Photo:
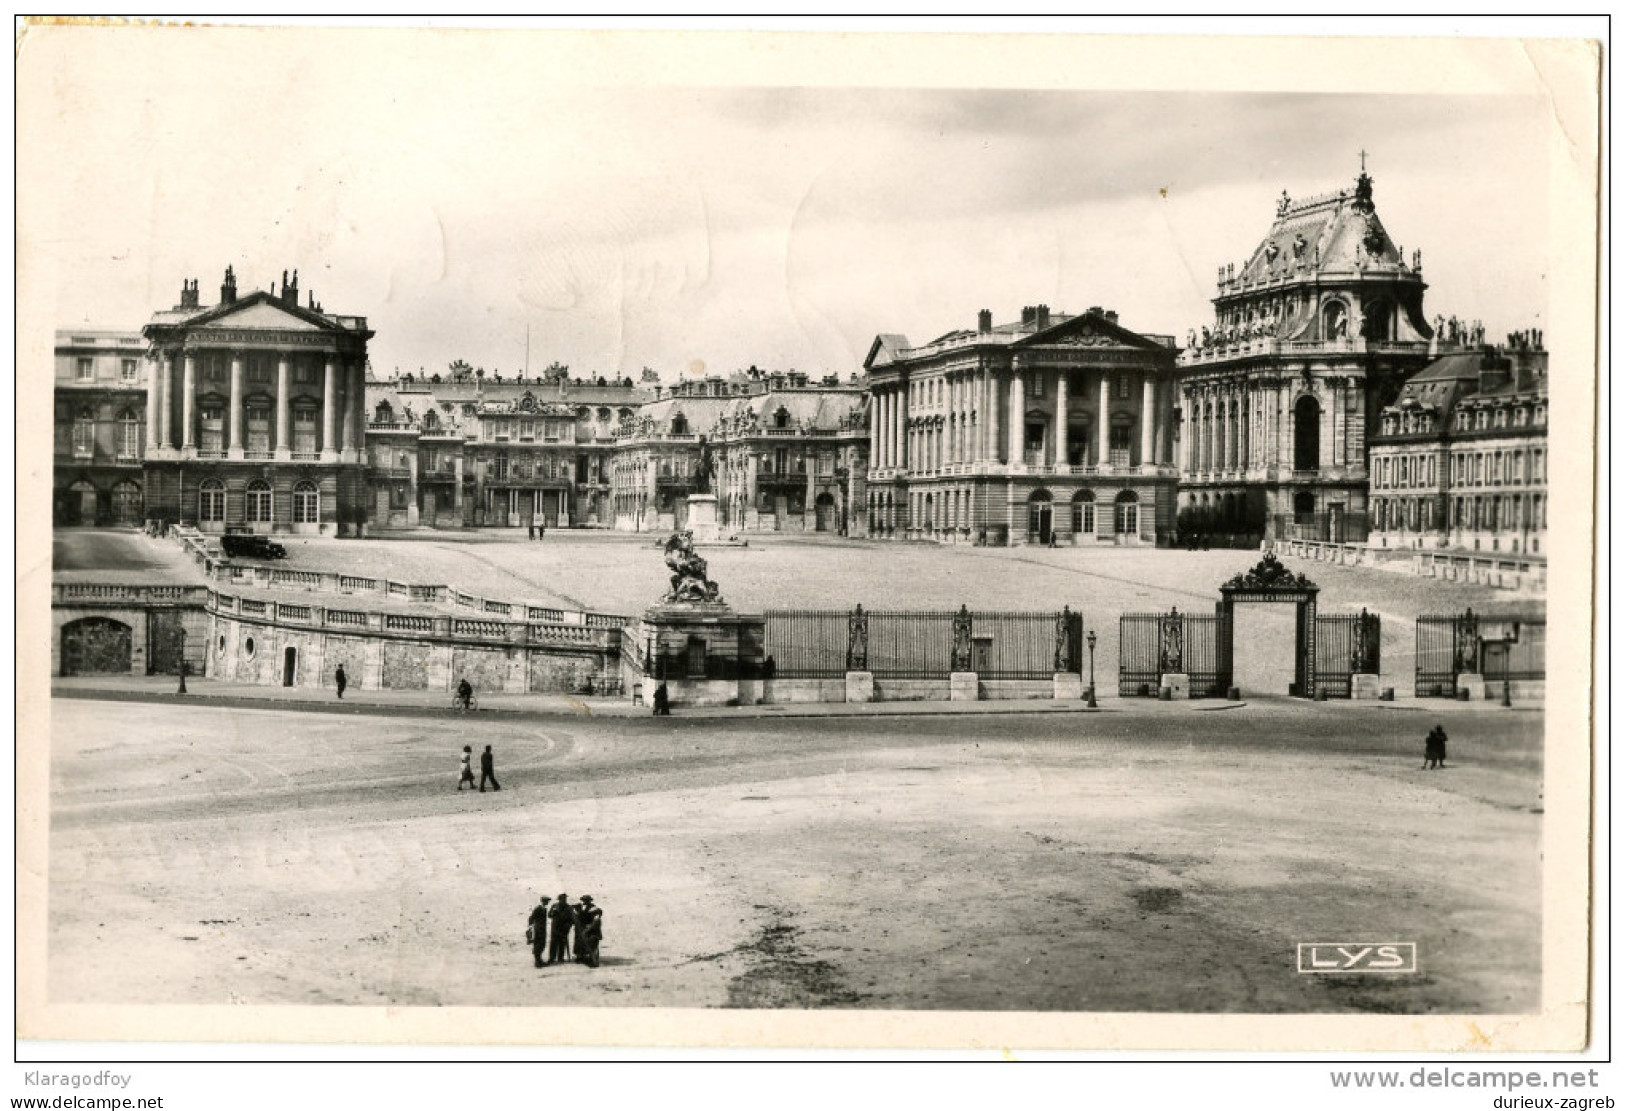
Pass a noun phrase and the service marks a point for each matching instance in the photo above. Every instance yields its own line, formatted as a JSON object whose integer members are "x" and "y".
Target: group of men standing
{"x": 549, "y": 929}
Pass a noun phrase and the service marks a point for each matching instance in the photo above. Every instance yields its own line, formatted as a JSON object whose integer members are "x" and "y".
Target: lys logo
{"x": 1356, "y": 956}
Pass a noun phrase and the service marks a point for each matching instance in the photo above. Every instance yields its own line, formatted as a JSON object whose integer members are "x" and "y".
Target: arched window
{"x": 259, "y": 502}
{"x": 1335, "y": 319}
{"x": 1303, "y": 507}
{"x": 781, "y": 419}
{"x": 679, "y": 425}
{"x": 307, "y": 503}
{"x": 127, "y": 504}
{"x": 84, "y": 433}
{"x": 1379, "y": 321}
{"x": 211, "y": 501}
{"x": 1306, "y": 434}
{"x": 1083, "y": 512}
{"x": 1126, "y": 513}
{"x": 431, "y": 421}
{"x": 129, "y": 435}
{"x": 383, "y": 414}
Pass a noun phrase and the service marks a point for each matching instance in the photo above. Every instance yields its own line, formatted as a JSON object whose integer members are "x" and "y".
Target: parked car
{"x": 249, "y": 545}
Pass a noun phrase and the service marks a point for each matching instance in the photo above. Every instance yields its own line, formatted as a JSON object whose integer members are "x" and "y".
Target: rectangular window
{"x": 1038, "y": 383}
{"x": 259, "y": 430}
{"x": 83, "y": 369}
{"x": 127, "y": 370}
{"x": 1122, "y": 387}
{"x": 500, "y": 467}
{"x": 304, "y": 431}
{"x": 84, "y": 437}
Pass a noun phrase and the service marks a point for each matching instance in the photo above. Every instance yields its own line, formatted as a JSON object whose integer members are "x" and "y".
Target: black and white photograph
{"x": 1069, "y": 541}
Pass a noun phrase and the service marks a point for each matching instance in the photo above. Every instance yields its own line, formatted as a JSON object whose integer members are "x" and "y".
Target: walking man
{"x": 563, "y": 916}
{"x": 662, "y": 700}
{"x": 340, "y": 681}
{"x": 466, "y": 765}
{"x": 488, "y": 770}
{"x": 536, "y": 932}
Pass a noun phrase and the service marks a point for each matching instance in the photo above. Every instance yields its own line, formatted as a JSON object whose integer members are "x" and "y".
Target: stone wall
{"x": 406, "y": 665}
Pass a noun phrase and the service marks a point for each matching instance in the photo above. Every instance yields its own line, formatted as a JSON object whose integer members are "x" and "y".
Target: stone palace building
{"x": 254, "y": 414}
{"x": 1313, "y": 335}
{"x": 1055, "y": 428}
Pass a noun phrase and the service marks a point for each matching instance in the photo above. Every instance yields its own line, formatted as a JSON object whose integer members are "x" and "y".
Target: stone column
{"x": 328, "y": 371}
{"x": 905, "y": 460}
{"x": 1018, "y": 415}
{"x": 457, "y": 486}
{"x": 189, "y": 403}
{"x": 349, "y": 443}
{"x": 412, "y": 519}
{"x": 234, "y": 421}
{"x": 1060, "y": 417}
{"x": 990, "y": 439}
{"x": 1148, "y": 419}
{"x": 358, "y": 411}
{"x": 875, "y": 427}
{"x": 155, "y": 388}
{"x": 1159, "y": 428}
{"x": 282, "y": 405}
{"x": 1103, "y": 435}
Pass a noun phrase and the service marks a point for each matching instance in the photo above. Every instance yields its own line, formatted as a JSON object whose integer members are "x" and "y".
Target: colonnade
{"x": 977, "y": 415}
{"x": 339, "y": 376}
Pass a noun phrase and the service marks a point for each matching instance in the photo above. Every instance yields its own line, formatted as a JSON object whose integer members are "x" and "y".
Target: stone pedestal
{"x": 860, "y": 686}
{"x": 703, "y": 650}
{"x": 1177, "y": 684}
{"x": 1473, "y": 684}
{"x": 1365, "y": 686}
{"x": 964, "y": 686}
{"x": 702, "y": 518}
{"x": 1068, "y": 685}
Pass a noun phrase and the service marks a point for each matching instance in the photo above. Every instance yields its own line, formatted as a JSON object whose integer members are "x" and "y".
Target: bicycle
{"x": 457, "y": 703}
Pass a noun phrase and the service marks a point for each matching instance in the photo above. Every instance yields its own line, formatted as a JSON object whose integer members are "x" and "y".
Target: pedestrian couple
{"x": 548, "y": 931}
{"x": 487, "y": 769}
{"x": 1433, "y": 754}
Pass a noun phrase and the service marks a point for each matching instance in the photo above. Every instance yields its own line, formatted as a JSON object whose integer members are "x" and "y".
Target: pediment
{"x": 1089, "y": 330}
{"x": 261, "y": 314}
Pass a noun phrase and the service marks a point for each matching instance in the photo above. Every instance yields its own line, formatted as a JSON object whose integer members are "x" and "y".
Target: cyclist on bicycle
{"x": 465, "y": 694}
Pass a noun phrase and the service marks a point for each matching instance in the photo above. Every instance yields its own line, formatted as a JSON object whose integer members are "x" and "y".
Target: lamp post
{"x": 1092, "y": 704}
{"x": 182, "y": 688}
{"x": 1506, "y": 673}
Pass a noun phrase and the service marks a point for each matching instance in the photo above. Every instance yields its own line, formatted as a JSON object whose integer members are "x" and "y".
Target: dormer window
{"x": 383, "y": 414}
{"x": 781, "y": 419}
{"x": 679, "y": 425}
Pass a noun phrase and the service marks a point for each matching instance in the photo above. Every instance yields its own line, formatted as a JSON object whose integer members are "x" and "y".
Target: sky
{"x": 459, "y": 192}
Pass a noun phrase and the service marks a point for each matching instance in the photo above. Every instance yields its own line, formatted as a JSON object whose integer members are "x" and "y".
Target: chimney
{"x": 188, "y": 293}
{"x": 1096, "y": 310}
{"x": 1028, "y": 314}
{"x": 1043, "y": 317}
{"x": 1111, "y": 315}
{"x": 1493, "y": 371}
{"x": 228, "y": 288}
{"x": 984, "y": 321}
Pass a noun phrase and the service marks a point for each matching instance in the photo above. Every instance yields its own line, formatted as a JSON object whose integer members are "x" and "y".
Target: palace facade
{"x": 1459, "y": 460}
{"x": 784, "y": 454}
{"x": 254, "y": 413}
{"x": 1313, "y": 335}
{"x": 100, "y": 402}
{"x": 477, "y": 451}
{"x": 1053, "y": 429}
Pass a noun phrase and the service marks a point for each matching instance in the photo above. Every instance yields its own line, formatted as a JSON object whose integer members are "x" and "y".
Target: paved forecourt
{"x": 1168, "y": 858}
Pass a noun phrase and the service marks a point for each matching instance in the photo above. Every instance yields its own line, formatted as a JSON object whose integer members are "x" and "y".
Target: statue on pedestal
{"x": 688, "y": 580}
{"x": 962, "y": 640}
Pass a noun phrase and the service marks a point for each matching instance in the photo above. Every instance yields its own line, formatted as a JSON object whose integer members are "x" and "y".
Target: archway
{"x": 96, "y": 646}
{"x": 1040, "y": 517}
{"x": 1306, "y": 434}
{"x": 824, "y": 510}
{"x": 1379, "y": 321}
{"x": 290, "y": 666}
{"x": 127, "y": 503}
{"x": 81, "y": 505}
